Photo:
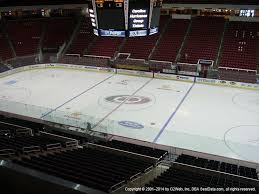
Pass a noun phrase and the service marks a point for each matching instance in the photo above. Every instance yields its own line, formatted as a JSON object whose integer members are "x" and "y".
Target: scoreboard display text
{"x": 138, "y": 19}
{"x": 121, "y": 18}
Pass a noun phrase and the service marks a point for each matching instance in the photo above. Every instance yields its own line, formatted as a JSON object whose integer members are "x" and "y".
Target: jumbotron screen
{"x": 123, "y": 18}
{"x": 110, "y": 16}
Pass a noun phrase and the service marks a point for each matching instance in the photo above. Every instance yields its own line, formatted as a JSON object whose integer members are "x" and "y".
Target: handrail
{"x": 135, "y": 176}
{"x": 71, "y": 54}
{"x": 169, "y": 62}
{"x": 4, "y": 152}
{"x": 10, "y": 124}
{"x": 50, "y": 134}
{"x": 118, "y": 54}
{"x": 117, "y": 184}
{"x": 135, "y": 59}
{"x": 124, "y": 151}
{"x": 96, "y": 56}
{"x": 22, "y": 131}
{"x": 238, "y": 69}
{"x": 191, "y": 64}
{"x": 214, "y": 171}
{"x": 53, "y": 146}
{"x": 70, "y": 143}
{"x": 21, "y": 57}
{"x": 27, "y": 149}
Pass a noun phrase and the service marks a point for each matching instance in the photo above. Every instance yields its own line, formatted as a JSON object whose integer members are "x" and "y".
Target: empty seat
{"x": 240, "y": 42}
{"x": 105, "y": 46}
{"x": 141, "y": 47}
{"x": 171, "y": 41}
{"x": 94, "y": 168}
{"x": 83, "y": 38}
{"x": 58, "y": 31}
{"x": 203, "y": 40}
{"x": 218, "y": 166}
{"x": 153, "y": 152}
{"x": 26, "y": 41}
{"x": 5, "y": 49}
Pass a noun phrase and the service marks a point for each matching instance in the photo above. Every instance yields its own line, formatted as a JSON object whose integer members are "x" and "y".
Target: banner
{"x": 114, "y": 33}
{"x": 174, "y": 77}
{"x": 135, "y": 73}
{"x": 228, "y": 83}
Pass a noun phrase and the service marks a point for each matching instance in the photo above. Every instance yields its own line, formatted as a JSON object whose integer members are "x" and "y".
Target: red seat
{"x": 26, "y": 41}
{"x": 203, "y": 40}
{"x": 239, "y": 49}
{"x": 58, "y": 31}
{"x": 5, "y": 50}
{"x": 141, "y": 47}
{"x": 83, "y": 38}
{"x": 105, "y": 46}
{"x": 171, "y": 41}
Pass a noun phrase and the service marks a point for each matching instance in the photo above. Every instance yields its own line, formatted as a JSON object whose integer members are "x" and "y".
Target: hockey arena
{"x": 129, "y": 96}
{"x": 167, "y": 112}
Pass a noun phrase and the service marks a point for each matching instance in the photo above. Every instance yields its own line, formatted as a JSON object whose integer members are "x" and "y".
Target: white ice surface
{"x": 219, "y": 120}
{"x": 211, "y": 119}
{"x": 46, "y": 89}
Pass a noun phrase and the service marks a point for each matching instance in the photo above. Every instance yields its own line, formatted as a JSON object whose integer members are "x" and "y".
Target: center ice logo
{"x": 131, "y": 124}
{"x": 127, "y": 99}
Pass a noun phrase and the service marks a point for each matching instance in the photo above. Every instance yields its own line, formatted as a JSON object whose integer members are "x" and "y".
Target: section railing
{"x": 23, "y": 61}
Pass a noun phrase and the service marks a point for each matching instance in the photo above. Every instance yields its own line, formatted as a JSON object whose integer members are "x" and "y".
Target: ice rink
{"x": 212, "y": 119}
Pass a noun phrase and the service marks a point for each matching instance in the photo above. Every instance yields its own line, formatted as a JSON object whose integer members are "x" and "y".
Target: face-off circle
{"x": 127, "y": 99}
{"x": 245, "y": 146}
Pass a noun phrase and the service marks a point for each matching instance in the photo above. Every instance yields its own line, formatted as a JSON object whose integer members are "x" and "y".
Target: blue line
{"x": 173, "y": 114}
{"x": 75, "y": 97}
{"x": 121, "y": 104}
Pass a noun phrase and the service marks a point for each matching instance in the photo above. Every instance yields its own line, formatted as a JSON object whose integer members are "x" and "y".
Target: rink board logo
{"x": 131, "y": 124}
{"x": 127, "y": 99}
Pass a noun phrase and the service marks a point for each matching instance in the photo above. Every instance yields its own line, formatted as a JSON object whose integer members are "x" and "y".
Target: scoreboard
{"x": 122, "y": 18}
{"x": 138, "y": 18}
